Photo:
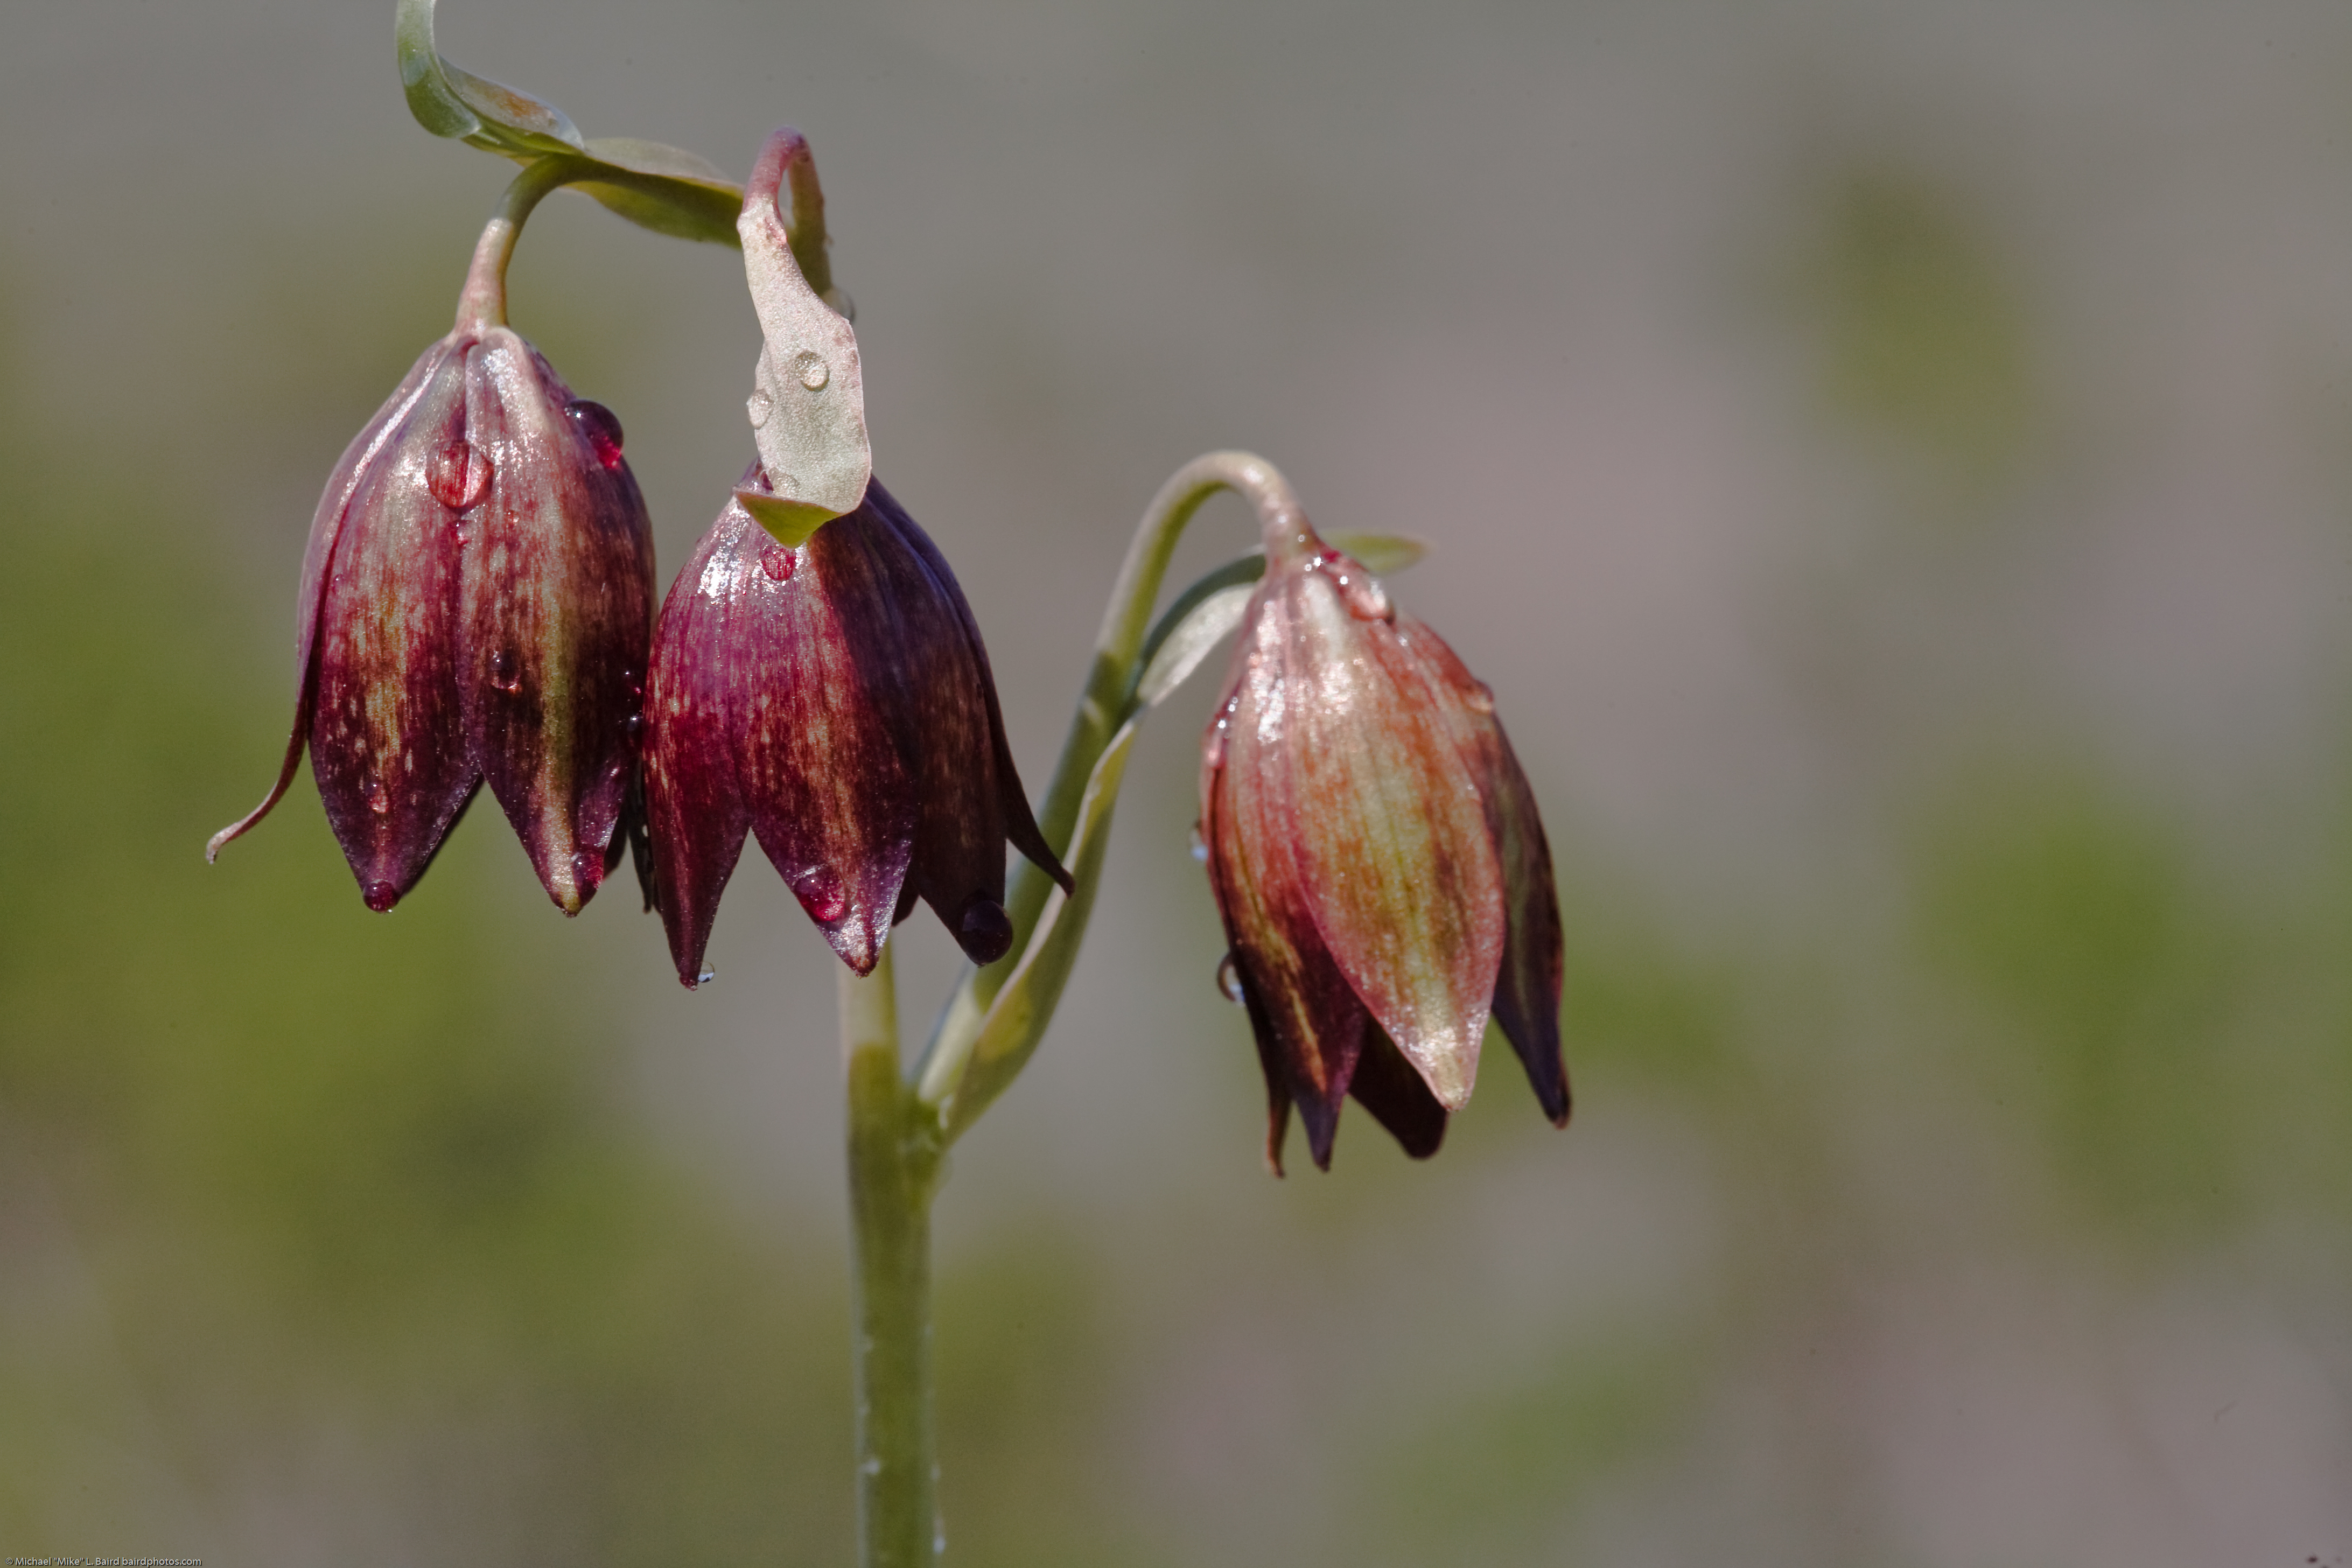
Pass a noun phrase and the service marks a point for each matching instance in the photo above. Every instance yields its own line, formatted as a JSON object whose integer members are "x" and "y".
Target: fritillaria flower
{"x": 476, "y": 606}
{"x": 1376, "y": 858}
{"x": 833, "y": 697}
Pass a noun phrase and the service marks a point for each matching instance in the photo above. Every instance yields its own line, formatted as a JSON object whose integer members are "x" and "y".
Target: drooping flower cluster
{"x": 476, "y": 607}
{"x": 1377, "y": 859}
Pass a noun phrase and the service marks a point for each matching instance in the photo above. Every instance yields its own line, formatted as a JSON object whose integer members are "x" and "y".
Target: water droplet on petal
{"x": 632, "y": 729}
{"x": 458, "y": 476}
{"x": 757, "y": 405}
{"x": 1200, "y": 846}
{"x": 820, "y": 893}
{"x": 707, "y": 976}
{"x": 1213, "y": 748}
{"x": 378, "y": 798}
{"x": 382, "y": 896}
{"x": 985, "y": 931}
{"x": 603, "y": 431}
{"x": 1229, "y": 978}
{"x": 812, "y": 370}
{"x": 1479, "y": 697}
{"x": 634, "y": 681}
{"x": 505, "y": 670}
{"x": 779, "y": 562}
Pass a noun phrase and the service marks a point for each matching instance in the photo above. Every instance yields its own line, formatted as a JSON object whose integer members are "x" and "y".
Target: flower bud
{"x": 833, "y": 697}
{"x": 1377, "y": 859}
{"x": 475, "y": 605}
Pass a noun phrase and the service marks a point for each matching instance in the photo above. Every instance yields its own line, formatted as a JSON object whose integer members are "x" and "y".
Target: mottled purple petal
{"x": 696, "y": 816}
{"x": 387, "y": 738}
{"x": 558, "y": 594}
{"x": 1013, "y": 801}
{"x": 326, "y": 528}
{"x": 808, "y": 684}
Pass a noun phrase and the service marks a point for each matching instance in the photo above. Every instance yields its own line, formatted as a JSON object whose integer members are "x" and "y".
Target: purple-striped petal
{"x": 1387, "y": 821}
{"x": 559, "y": 596}
{"x": 695, "y": 817}
{"x": 1307, "y": 1019}
{"x": 387, "y": 729}
{"x": 810, "y": 672}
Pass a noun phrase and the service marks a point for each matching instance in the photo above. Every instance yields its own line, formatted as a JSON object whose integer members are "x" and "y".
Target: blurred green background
{"x": 1888, "y": 461}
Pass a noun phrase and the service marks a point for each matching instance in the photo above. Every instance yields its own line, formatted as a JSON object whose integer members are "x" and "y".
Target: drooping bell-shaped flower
{"x": 476, "y": 606}
{"x": 834, "y": 698}
{"x": 1375, "y": 855}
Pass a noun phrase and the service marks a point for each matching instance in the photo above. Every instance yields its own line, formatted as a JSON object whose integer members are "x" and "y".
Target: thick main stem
{"x": 893, "y": 1164}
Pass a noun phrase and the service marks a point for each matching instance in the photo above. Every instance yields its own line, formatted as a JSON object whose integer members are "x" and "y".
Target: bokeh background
{"x": 1890, "y": 460}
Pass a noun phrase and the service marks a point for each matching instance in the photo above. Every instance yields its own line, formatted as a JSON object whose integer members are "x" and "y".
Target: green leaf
{"x": 674, "y": 193}
{"x": 449, "y": 101}
{"x": 1017, "y": 1020}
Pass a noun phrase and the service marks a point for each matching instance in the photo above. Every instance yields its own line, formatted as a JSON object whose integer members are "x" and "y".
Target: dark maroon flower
{"x": 1376, "y": 858}
{"x": 475, "y": 605}
{"x": 833, "y": 697}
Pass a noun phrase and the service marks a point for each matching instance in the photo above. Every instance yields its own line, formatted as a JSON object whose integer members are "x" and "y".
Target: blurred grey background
{"x": 1889, "y": 461}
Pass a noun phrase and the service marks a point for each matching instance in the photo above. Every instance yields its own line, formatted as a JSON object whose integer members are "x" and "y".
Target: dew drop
{"x": 458, "y": 476}
{"x": 634, "y": 681}
{"x": 757, "y": 405}
{"x": 382, "y": 896}
{"x": 505, "y": 670}
{"x": 1200, "y": 846}
{"x": 779, "y": 562}
{"x": 1212, "y": 749}
{"x": 603, "y": 431}
{"x": 1229, "y": 978}
{"x": 632, "y": 729}
{"x": 1479, "y": 696}
{"x": 379, "y": 799}
{"x": 811, "y": 368}
{"x": 707, "y": 976}
{"x": 820, "y": 893}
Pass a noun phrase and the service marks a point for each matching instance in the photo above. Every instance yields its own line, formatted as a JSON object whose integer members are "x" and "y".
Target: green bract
{"x": 665, "y": 189}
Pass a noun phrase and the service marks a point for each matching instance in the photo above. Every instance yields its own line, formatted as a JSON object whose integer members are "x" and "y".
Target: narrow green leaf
{"x": 674, "y": 193}
{"x": 1017, "y": 1019}
{"x": 449, "y": 101}
{"x": 1180, "y": 652}
{"x": 1381, "y": 554}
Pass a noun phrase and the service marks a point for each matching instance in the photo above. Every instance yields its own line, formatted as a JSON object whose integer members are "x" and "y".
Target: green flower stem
{"x": 1103, "y": 707}
{"x": 483, "y": 301}
{"x": 893, "y": 1172}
